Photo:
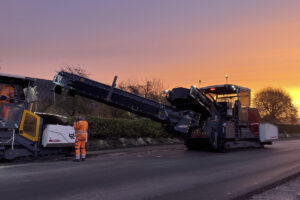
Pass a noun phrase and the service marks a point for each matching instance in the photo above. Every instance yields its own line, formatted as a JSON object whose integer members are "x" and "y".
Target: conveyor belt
{"x": 115, "y": 97}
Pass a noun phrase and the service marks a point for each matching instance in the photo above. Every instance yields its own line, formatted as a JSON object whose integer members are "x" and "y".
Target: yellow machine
{"x": 24, "y": 133}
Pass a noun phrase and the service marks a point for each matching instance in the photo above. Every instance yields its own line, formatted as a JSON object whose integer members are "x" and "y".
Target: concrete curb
{"x": 106, "y": 144}
{"x": 120, "y": 143}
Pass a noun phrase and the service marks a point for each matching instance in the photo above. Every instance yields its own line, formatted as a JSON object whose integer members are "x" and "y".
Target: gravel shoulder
{"x": 287, "y": 191}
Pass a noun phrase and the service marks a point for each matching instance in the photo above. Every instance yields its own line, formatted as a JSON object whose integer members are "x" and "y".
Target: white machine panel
{"x": 58, "y": 136}
{"x": 267, "y": 132}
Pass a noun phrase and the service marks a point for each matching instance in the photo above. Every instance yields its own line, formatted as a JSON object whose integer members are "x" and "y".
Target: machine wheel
{"x": 195, "y": 144}
{"x": 262, "y": 145}
{"x": 222, "y": 147}
{"x": 190, "y": 144}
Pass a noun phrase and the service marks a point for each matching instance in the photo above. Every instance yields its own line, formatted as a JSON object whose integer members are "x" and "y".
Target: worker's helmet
{"x": 80, "y": 117}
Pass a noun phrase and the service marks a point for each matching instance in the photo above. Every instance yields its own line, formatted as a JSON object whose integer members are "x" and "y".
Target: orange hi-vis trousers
{"x": 80, "y": 145}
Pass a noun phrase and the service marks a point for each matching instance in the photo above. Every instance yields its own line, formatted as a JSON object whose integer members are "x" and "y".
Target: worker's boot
{"x": 83, "y": 157}
{"x": 76, "y": 160}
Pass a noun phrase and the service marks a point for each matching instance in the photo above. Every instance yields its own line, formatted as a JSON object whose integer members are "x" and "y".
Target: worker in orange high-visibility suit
{"x": 6, "y": 96}
{"x": 81, "y": 127}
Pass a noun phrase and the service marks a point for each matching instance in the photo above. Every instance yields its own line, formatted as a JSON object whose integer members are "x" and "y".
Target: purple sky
{"x": 256, "y": 42}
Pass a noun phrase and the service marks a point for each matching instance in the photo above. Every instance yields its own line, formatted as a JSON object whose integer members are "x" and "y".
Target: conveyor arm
{"x": 77, "y": 85}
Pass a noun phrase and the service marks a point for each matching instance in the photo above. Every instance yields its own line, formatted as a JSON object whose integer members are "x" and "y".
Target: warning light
{"x": 212, "y": 89}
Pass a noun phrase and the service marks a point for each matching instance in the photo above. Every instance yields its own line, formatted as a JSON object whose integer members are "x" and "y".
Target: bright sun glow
{"x": 295, "y": 94}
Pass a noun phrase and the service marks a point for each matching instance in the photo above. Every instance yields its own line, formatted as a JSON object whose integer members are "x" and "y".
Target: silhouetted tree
{"x": 275, "y": 105}
{"x": 151, "y": 89}
{"x": 78, "y": 70}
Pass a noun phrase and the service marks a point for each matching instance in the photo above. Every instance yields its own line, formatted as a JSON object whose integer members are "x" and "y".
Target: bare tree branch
{"x": 75, "y": 69}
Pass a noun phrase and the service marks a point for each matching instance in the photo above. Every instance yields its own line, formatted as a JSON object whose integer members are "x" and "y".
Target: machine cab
{"x": 12, "y": 111}
{"x": 233, "y": 99}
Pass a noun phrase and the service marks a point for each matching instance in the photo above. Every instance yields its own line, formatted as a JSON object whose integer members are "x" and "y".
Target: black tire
{"x": 262, "y": 145}
{"x": 190, "y": 145}
{"x": 222, "y": 147}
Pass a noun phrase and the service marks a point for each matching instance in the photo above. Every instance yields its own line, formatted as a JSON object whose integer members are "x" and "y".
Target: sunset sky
{"x": 255, "y": 42}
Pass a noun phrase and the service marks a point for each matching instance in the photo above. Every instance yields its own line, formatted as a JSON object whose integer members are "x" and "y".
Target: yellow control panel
{"x": 30, "y": 126}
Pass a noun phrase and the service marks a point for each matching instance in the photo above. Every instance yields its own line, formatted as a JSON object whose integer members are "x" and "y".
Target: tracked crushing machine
{"x": 218, "y": 115}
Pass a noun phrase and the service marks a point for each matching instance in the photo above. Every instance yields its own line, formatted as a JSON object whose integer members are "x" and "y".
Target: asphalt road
{"x": 157, "y": 172}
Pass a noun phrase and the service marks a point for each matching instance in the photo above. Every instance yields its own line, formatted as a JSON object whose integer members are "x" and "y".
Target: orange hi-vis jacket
{"x": 81, "y": 127}
{"x": 8, "y": 92}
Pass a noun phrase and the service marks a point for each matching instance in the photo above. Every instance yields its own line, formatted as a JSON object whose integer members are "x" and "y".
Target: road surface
{"x": 157, "y": 172}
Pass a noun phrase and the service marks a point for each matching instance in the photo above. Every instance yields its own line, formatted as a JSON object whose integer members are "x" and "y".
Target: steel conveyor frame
{"x": 78, "y": 85}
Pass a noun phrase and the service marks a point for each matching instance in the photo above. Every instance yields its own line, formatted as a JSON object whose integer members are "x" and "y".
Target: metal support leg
{"x": 13, "y": 140}
{"x": 111, "y": 89}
